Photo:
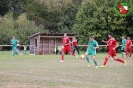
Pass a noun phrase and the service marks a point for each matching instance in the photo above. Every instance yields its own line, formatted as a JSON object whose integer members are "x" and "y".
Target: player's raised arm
{"x": 104, "y": 41}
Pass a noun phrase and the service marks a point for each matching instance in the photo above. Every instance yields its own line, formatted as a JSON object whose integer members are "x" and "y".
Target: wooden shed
{"x": 45, "y": 43}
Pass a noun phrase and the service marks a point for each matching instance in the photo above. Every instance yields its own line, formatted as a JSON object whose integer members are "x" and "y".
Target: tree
{"x": 90, "y": 21}
{"x": 24, "y": 29}
{"x": 35, "y": 10}
{"x": 67, "y": 19}
{"x": 98, "y": 19}
{"x": 4, "y": 7}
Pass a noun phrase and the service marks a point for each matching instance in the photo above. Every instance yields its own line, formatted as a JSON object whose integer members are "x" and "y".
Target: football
{"x": 82, "y": 57}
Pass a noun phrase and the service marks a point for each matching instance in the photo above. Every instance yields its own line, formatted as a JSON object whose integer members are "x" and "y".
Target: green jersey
{"x": 91, "y": 50}
{"x": 92, "y": 44}
{"x": 14, "y": 43}
{"x": 123, "y": 44}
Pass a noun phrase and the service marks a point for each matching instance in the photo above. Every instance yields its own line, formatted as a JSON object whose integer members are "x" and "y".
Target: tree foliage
{"x": 4, "y": 8}
{"x": 24, "y": 28}
{"x": 67, "y": 19}
{"x": 22, "y": 18}
{"x": 35, "y": 10}
{"x": 98, "y": 19}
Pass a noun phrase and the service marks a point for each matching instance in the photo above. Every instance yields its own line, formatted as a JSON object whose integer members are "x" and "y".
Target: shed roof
{"x": 51, "y": 34}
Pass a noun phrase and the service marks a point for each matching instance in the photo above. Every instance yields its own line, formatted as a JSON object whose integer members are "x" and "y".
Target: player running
{"x": 66, "y": 47}
{"x": 14, "y": 46}
{"x": 112, "y": 50}
{"x": 128, "y": 47}
{"x": 91, "y": 50}
{"x": 123, "y": 47}
{"x": 75, "y": 45}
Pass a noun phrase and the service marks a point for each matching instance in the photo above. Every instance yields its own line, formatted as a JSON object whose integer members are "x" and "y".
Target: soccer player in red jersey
{"x": 75, "y": 45}
{"x": 66, "y": 47}
{"x": 112, "y": 43}
{"x": 128, "y": 47}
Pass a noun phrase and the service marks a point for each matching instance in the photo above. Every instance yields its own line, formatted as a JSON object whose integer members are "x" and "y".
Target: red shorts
{"x": 66, "y": 49}
{"x": 112, "y": 52}
{"x": 128, "y": 49}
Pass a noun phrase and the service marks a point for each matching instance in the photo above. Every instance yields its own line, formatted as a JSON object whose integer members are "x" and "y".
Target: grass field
{"x": 45, "y": 71}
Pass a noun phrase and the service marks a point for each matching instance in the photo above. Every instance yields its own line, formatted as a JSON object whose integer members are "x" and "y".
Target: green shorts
{"x": 14, "y": 48}
{"x": 123, "y": 48}
{"x": 91, "y": 52}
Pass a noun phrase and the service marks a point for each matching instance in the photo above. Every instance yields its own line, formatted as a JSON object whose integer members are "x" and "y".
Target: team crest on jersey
{"x": 123, "y": 8}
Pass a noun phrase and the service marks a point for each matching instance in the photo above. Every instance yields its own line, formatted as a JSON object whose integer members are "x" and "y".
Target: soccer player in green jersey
{"x": 123, "y": 47}
{"x": 14, "y": 46}
{"x": 91, "y": 50}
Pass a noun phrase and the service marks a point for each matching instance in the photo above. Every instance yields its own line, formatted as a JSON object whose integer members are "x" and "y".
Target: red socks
{"x": 130, "y": 54}
{"x": 120, "y": 60}
{"x": 105, "y": 61}
{"x": 73, "y": 54}
{"x": 62, "y": 57}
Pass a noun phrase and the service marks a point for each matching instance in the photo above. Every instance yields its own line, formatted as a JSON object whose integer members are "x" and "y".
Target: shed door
{"x": 52, "y": 45}
{"x": 46, "y": 46}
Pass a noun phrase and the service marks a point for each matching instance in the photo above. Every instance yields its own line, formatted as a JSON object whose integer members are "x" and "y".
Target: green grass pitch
{"x": 45, "y": 71}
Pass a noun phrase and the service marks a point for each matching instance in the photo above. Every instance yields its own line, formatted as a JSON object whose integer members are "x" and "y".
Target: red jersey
{"x": 74, "y": 42}
{"x": 107, "y": 45}
{"x": 111, "y": 43}
{"x": 128, "y": 43}
{"x": 65, "y": 41}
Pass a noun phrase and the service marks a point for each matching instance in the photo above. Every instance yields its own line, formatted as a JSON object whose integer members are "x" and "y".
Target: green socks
{"x": 15, "y": 53}
{"x": 122, "y": 54}
{"x": 95, "y": 62}
{"x": 87, "y": 58}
